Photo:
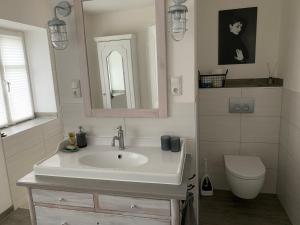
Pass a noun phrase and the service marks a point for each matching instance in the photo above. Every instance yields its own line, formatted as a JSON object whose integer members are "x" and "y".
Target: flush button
{"x": 246, "y": 108}
{"x": 61, "y": 199}
{"x": 241, "y": 105}
{"x": 237, "y": 108}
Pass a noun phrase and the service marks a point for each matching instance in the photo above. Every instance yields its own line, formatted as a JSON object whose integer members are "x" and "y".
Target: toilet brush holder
{"x": 206, "y": 184}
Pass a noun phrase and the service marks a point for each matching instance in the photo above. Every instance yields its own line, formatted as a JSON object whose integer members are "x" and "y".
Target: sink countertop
{"x": 162, "y": 166}
{"x": 145, "y": 190}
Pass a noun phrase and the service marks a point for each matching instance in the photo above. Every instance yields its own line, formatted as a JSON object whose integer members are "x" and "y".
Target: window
{"x": 15, "y": 93}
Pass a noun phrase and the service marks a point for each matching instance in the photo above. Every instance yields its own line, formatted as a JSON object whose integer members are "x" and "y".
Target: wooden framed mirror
{"x": 123, "y": 57}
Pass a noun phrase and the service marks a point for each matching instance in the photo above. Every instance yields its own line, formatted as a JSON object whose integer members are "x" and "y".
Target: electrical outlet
{"x": 176, "y": 86}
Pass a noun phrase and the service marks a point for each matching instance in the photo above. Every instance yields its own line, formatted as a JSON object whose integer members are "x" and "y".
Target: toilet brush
{"x": 206, "y": 184}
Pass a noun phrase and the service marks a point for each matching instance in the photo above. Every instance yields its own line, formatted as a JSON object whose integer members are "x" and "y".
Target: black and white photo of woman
{"x": 236, "y": 42}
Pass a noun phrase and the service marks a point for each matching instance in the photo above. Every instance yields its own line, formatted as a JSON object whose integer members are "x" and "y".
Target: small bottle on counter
{"x": 81, "y": 138}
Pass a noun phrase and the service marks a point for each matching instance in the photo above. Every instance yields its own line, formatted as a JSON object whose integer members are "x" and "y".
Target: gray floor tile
{"x": 18, "y": 217}
{"x": 226, "y": 209}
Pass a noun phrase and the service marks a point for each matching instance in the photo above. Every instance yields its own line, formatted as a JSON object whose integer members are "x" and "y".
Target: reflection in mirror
{"x": 122, "y": 53}
{"x": 118, "y": 72}
{"x": 116, "y": 80}
{"x": 115, "y": 74}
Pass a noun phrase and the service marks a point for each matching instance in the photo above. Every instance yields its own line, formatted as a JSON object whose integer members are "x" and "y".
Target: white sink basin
{"x": 113, "y": 159}
{"x": 134, "y": 164}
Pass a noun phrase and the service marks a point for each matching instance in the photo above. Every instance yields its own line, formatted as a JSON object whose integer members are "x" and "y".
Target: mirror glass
{"x": 122, "y": 53}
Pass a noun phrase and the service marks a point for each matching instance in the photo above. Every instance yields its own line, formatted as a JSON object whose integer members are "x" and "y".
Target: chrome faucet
{"x": 120, "y": 138}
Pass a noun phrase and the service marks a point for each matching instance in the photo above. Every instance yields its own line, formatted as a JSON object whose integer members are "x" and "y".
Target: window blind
{"x": 3, "y": 115}
{"x": 15, "y": 78}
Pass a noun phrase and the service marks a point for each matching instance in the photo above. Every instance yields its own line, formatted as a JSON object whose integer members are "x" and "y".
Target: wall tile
{"x": 286, "y": 104}
{"x": 180, "y": 122}
{"x": 293, "y": 108}
{"x": 270, "y": 184}
{"x": 18, "y": 166}
{"x": 289, "y": 155}
{"x": 292, "y": 177}
{"x": 294, "y": 142}
{"x": 24, "y": 149}
{"x": 282, "y": 172}
{"x": 52, "y": 144}
{"x": 218, "y": 177}
{"x": 214, "y": 152}
{"x": 284, "y": 132}
{"x": 289, "y": 192}
{"x": 267, "y": 152}
{"x": 260, "y": 129}
{"x": 73, "y": 116}
{"x": 16, "y": 144}
{"x": 216, "y": 101}
{"x": 53, "y": 128}
{"x": 292, "y": 207}
{"x": 267, "y": 100}
{"x": 220, "y": 128}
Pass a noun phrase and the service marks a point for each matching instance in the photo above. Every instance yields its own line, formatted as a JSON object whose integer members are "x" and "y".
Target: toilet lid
{"x": 245, "y": 167}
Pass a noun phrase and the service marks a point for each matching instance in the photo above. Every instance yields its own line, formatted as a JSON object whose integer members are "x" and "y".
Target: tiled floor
{"x": 225, "y": 209}
{"x": 18, "y": 217}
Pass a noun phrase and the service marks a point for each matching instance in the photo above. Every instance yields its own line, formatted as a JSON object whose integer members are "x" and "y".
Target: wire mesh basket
{"x": 212, "y": 80}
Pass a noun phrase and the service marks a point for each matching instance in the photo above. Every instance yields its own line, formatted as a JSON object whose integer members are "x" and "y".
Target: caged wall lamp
{"x": 178, "y": 19}
{"x": 58, "y": 28}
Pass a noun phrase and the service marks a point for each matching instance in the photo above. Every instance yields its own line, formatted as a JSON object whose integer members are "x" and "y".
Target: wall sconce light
{"x": 58, "y": 28}
{"x": 178, "y": 19}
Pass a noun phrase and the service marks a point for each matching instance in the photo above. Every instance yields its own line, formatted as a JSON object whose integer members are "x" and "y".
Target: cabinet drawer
{"x": 63, "y": 198}
{"x": 135, "y": 205}
{"x": 54, "y": 216}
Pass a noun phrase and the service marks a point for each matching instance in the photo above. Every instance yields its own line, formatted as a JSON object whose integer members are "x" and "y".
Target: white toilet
{"x": 245, "y": 175}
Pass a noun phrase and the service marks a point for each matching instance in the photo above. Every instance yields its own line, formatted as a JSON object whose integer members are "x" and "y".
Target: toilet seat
{"x": 245, "y": 167}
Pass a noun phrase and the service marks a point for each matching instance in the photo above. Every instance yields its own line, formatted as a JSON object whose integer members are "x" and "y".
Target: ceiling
{"x": 96, "y": 6}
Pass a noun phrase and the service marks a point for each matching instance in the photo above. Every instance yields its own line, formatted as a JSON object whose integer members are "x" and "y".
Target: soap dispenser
{"x": 81, "y": 138}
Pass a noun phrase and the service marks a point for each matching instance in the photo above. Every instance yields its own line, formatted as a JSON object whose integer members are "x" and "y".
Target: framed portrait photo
{"x": 237, "y": 36}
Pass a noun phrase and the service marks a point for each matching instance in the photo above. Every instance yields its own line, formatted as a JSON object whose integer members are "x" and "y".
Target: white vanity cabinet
{"x": 56, "y": 207}
{"x": 55, "y": 216}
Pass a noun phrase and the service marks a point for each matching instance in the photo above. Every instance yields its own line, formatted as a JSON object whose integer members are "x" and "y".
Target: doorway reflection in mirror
{"x": 122, "y": 53}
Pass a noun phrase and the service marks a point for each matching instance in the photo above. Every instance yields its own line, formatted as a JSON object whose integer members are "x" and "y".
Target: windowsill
{"x": 21, "y": 127}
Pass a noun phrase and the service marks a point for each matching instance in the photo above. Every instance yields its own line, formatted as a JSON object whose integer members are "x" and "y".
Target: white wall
{"x": 5, "y": 199}
{"x": 289, "y": 46}
{"x": 222, "y": 133}
{"x": 40, "y": 69}
{"x": 32, "y": 12}
{"x": 289, "y": 155}
{"x": 268, "y": 28}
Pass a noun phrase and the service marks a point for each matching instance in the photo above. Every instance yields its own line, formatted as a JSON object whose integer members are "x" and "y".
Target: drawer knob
{"x": 65, "y": 223}
{"x": 133, "y": 206}
{"x": 61, "y": 199}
